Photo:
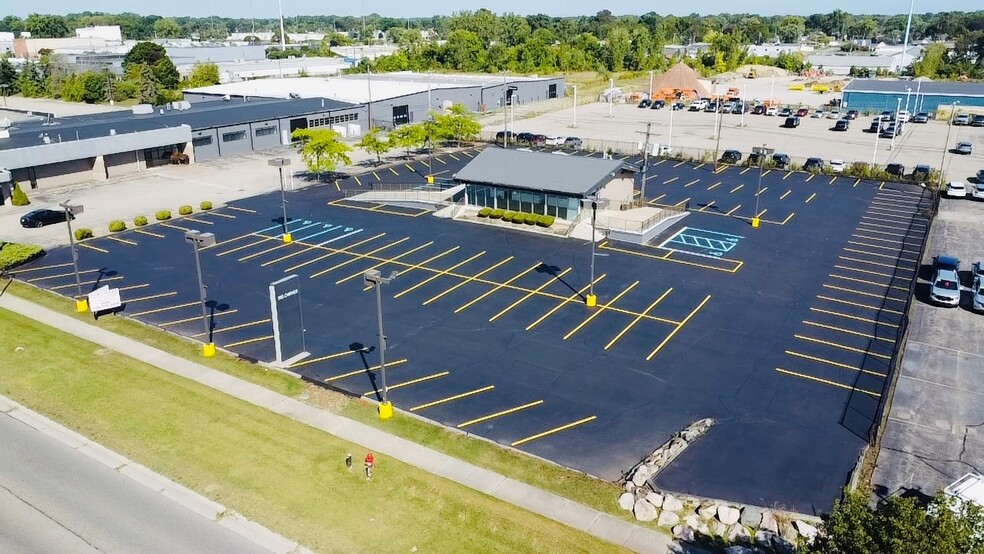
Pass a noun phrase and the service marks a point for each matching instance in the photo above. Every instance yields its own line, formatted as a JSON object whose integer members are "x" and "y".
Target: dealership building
{"x": 876, "y": 95}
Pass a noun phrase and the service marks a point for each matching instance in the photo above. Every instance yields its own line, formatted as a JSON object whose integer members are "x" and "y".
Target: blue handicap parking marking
{"x": 702, "y": 242}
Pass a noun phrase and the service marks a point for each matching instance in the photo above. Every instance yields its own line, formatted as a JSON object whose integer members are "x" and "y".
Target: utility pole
{"x": 717, "y": 143}
{"x": 645, "y": 163}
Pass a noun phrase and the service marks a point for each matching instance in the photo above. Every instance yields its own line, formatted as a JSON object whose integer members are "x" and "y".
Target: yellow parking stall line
{"x": 535, "y": 291}
{"x": 761, "y": 192}
{"x": 810, "y": 178}
{"x": 338, "y": 186}
{"x": 893, "y": 203}
{"x": 670, "y": 180}
{"x": 346, "y": 375}
{"x": 498, "y": 287}
{"x": 485, "y": 271}
{"x": 720, "y": 170}
{"x": 416, "y": 381}
{"x": 84, "y": 283}
{"x": 422, "y": 264}
{"x": 736, "y": 189}
{"x": 247, "y": 210}
{"x": 886, "y": 233}
{"x": 901, "y": 224}
{"x": 678, "y": 327}
{"x": 857, "y": 236}
{"x": 715, "y": 185}
{"x": 261, "y": 240}
{"x": 737, "y": 264}
{"x": 563, "y": 303}
{"x": 376, "y": 175}
{"x": 785, "y": 194}
{"x": 863, "y": 293}
{"x": 217, "y": 214}
{"x": 452, "y": 156}
{"x": 149, "y": 233}
{"x": 682, "y": 202}
{"x": 881, "y": 226}
{"x": 311, "y": 247}
{"x": 833, "y": 363}
{"x": 381, "y": 264}
{"x": 466, "y": 394}
{"x": 173, "y": 226}
{"x": 681, "y": 163}
{"x": 858, "y": 305}
{"x": 637, "y": 319}
{"x": 853, "y": 317}
{"x": 890, "y": 212}
{"x": 438, "y": 158}
{"x": 410, "y": 167}
{"x": 767, "y": 171}
{"x": 601, "y": 309}
{"x": 358, "y": 182}
{"x": 873, "y": 283}
{"x": 832, "y": 179}
{"x": 43, "y": 267}
{"x": 393, "y": 171}
{"x": 847, "y": 331}
{"x": 96, "y": 248}
{"x": 167, "y": 309}
{"x": 226, "y": 241}
{"x": 59, "y": 275}
{"x": 659, "y": 162}
{"x": 334, "y": 356}
{"x": 892, "y": 248}
{"x": 744, "y": 171}
{"x": 826, "y": 382}
{"x": 264, "y": 251}
{"x": 866, "y": 271}
{"x": 151, "y": 297}
{"x": 248, "y": 341}
{"x": 439, "y": 274}
{"x": 548, "y": 432}
{"x": 705, "y": 206}
{"x": 760, "y": 214}
{"x": 500, "y": 413}
{"x": 134, "y": 287}
{"x": 698, "y": 166}
{"x": 881, "y": 186}
{"x": 198, "y": 318}
{"x": 788, "y": 217}
{"x": 236, "y": 327}
{"x": 357, "y": 257}
{"x": 732, "y": 210}
{"x": 465, "y": 152}
{"x": 197, "y": 220}
{"x": 658, "y": 198}
{"x": 124, "y": 241}
{"x": 856, "y": 183}
{"x": 843, "y": 347}
{"x": 694, "y": 182}
{"x": 812, "y": 196}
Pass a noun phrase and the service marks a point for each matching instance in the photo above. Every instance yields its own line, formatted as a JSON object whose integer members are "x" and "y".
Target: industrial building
{"x": 876, "y": 95}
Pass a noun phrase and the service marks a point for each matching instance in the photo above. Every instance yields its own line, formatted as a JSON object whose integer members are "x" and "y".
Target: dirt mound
{"x": 762, "y": 71}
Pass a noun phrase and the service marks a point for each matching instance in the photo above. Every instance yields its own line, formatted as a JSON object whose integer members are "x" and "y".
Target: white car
{"x": 978, "y": 294}
{"x": 978, "y": 190}
{"x": 834, "y": 114}
{"x": 555, "y": 141}
{"x": 837, "y": 166}
{"x": 956, "y": 189}
{"x": 817, "y": 114}
{"x": 903, "y": 116}
{"x": 772, "y": 110}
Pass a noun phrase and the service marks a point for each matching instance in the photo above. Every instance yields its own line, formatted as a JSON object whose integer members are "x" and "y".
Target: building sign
{"x": 104, "y": 299}
{"x": 288, "y": 324}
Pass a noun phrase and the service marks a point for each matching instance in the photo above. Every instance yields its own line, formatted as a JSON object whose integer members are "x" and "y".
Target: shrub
{"x": 19, "y": 197}
{"x": 13, "y": 255}
{"x": 484, "y": 212}
{"x": 116, "y": 226}
{"x": 205, "y": 205}
{"x": 518, "y": 217}
{"x": 496, "y": 214}
{"x": 163, "y": 215}
{"x": 185, "y": 210}
{"x": 507, "y": 216}
{"x": 83, "y": 233}
{"x": 531, "y": 219}
{"x": 545, "y": 220}
{"x": 140, "y": 221}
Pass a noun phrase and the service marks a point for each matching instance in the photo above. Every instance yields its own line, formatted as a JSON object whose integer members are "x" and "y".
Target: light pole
{"x": 81, "y": 303}
{"x": 373, "y": 278}
{"x": 874, "y": 154}
{"x": 592, "y": 300}
{"x": 744, "y": 93}
{"x": 505, "y": 120}
{"x": 199, "y": 240}
{"x": 574, "y": 117}
{"x": 897, "y": 123}
{"x": 946, "y": 144}
{"x": 650, "y": 85}
{"x": 907, "y": 91}
{"x": 281, "y": 163}
{"x": 764, "y": 153}
{"x": 611, "y": 96}
{"x": 669, "y": 138}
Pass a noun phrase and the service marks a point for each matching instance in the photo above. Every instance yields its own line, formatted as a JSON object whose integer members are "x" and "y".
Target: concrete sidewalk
{"x": 547, "y": 504}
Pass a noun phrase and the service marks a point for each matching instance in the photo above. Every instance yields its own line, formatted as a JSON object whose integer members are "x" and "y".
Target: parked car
{"x": 818, "y": 114}
{"x": 921, "y": 173}
{"x": 842, "y": 124}
{"x": 978, "y": 294}
{"x": 961, "y": 119}
{"x": 555, "y": 141}
{"x": 837, "y": 166}
{"x": 834, "y": 114}
{"x": 875, "y": 126}
{"x": 573, "y": 143}
{"x": 802, "y": 112}
{"x": 887, "y": 115}
{"x": 525, "y": 138}
{"x": 814, "y": 165}
{"x": 731, "y": 156}
{"x": 539, "y": 140}
{"x": 42, "y": 217}
{"x": 772, "y": 111}
{"x": 657, "y": 104}
{"x": 892, "y": 130}
{"x": 781, "y": 160}
{"x": 980, "y": 175}
{"x": 902, "y": 116}
{"x": 645, "y": 103}
{"x": 921, "y": 117}
{"x": 677, "y": 106}
{"x": 739, "y": 108}
{"x": 977, "y": 191}
{"x": 895, "y": 169}
{"x": 956, "y": 189}
{"x": 505, "y": 135}
{"x": 852, "y": 114}
{"x": 755, "y": 158}
{"x": 965, "y": 148}
{"x": 792, "y": 122}
{"x": 946, "y": 281}
{"x": 785, "y": 112}
{"x": 711, "y": 107}
{"x": 977, "y": 121}
{"x": 759, "y": 109}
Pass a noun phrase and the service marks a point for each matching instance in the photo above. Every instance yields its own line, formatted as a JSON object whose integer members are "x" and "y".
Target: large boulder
{"x": 751, "y": 516}
{"x": 707, "y": 510}
{"x": 728, "y": 515}
{"x": 629, "y": 486}
{"x": 655, "y": 498}
{"x": 644, "y": 511}
{"x": 717, "y": 529}
{"x": 769, "y": 522}
{"x": 641, "y": 475}
{"x": 806, "y": 530}
{"x": 783, "y": 545}
{"x": 626, "y": 501}
{"x": 764, "y": 538}
{"x": 683, "y": 533}
{"x": 738, "y": 533}
{"x": 668, "y": 519}
{"x": 789, "y": 533}
{"x": 672, "y": 503}
{"x": 693, "y": 521}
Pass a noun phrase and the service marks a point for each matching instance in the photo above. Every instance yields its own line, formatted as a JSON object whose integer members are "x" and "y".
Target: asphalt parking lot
{"x": 783, "y": 333}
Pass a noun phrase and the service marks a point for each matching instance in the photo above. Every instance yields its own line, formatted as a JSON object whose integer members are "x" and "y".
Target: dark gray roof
{"x": 202, "y": 115}
{"x": 948, "y": 88}
{"x": 574, "y": 175}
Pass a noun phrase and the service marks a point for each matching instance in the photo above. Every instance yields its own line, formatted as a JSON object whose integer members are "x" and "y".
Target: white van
{"x": 969, "y": 488}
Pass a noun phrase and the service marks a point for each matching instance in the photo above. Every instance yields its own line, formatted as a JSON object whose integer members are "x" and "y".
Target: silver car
{"x": 945, "y": 289}
{"x": 965, "y": 148}
{"x": 978, "y": 295}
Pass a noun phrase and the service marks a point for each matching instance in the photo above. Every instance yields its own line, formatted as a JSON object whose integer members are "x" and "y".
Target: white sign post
{"x": 104, "y": 299}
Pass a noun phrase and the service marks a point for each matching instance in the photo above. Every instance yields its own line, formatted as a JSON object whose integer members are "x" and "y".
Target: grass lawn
{"x": 595, "y": 493}
{"x": 275, "y": 471}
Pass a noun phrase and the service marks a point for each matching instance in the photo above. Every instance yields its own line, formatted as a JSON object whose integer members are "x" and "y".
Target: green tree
{"x": 72, "y": 89}
{"x": 8, "y": 77}
{"x": 203, "y": 75}
{"x": 931, "y": 62}
{"x": 46, "y": 26}
{"x": 93, "y": 87}
{"x": 462, "y": 51}
{"x": 791, "y": 28}
{"x": 167, "y": 75}
{"x": 457, "y": 125}
{"x": 321, "y": 149}
{"x": 148, "y": 85}
{"x": 408, "y": 136}
{"x": 18, "y": 197}
{"x": 617, "y": 48}
{"x": 167, "y": 28}
{"x": 146, "y": 53}
{"x": 372, "y": 144}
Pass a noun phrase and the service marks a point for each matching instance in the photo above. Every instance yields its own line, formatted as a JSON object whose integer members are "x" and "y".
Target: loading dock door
{"x": 401, "y": 115}
{"x": 299, "y": 123}
{"x": 552, "y": 91}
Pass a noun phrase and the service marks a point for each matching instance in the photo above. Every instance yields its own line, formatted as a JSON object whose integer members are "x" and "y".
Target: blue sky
{"x": 415, "y": 8}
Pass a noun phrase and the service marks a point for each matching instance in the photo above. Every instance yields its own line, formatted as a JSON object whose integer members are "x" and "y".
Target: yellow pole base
{"x": 430, "y": 179}
{"x": 755, "y": 222}
{"x": 82, "y": 305}
{"x": 288, "y": 238}
{"x": 385, "y": 410}
{"x": 591, "y": 301}
{"x": 208, "y": 349}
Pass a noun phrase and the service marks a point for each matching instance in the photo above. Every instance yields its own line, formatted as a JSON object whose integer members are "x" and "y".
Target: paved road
{"x": 54, "y": 499}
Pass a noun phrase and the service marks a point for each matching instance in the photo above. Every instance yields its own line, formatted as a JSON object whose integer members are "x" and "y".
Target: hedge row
{"x": 83, "y": 233}
{"x": 518, "y": 217}
{"x": 13, "y": 254}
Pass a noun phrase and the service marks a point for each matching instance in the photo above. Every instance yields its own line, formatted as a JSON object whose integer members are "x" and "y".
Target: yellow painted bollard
{"x": 288, "y": 238}
{"x": 82, "y": 305}
{"x": 385, "y": 410}
{"x": 208, "y": 349}
{"x": 591, "y": 301}
{"x": 755, "y": 222}
{"x": 430, "y": 179}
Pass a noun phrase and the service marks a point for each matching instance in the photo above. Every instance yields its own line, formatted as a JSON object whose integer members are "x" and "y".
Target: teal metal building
{"x": 876, "y": 95}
